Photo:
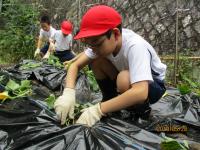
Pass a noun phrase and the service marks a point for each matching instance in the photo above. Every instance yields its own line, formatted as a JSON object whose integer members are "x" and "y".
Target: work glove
{"x": 90, "y": 115}
{"x": 37, "y": 52}
{"x": 46, "y": 56}
{"x": 64, "y": 105}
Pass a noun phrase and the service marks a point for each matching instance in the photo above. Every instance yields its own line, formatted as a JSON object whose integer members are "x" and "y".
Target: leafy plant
{"x": 30, "y": 65}
{"x": 187, "y": 86}
{"x": 50, "y": 101}
{"x": 172, "y": 144}
{"x": 91, "y": 78}
{"x": 18, "y": 34}
{"x": 2, "y": 78}
{"x": 77, "y": 111}
{"x": 15, "y": 90}
{"x": 53, "y": 60}
{"x": 186, "y": 82}
{"x": 184, "y": 88}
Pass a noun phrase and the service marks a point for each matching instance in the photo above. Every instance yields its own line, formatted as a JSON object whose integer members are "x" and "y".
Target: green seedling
{"x": 172, "y": 144}
{"x": 91, "y": 78}
{"x": 15, "y": 90}
{"x": 30, "y": 65}
{"x": 53, "y": 60}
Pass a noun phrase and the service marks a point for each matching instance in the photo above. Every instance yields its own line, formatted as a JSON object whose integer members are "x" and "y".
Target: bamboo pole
{"x": 78, "y": 19}
{"x": 180, "y": 58}
{"x": 176, "y": 52}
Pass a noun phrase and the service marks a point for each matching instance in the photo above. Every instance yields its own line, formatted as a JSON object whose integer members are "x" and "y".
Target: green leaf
{"x": 30, "y": 65}
{"x": 172, "y": 144}
{"x": 184, "y": 88}
{"x": 194, "y": 85}
{"x": 50, "y": 101}
{"x": 2, "y": 78}
{"x": 92, "y": 81}
{"x": 53, "y": 60}
{"x": 25, "y": 84}
{"x": 12, "y": 85}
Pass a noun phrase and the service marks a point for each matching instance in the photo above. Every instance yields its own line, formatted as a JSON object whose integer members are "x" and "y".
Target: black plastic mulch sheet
{"x": 48, "y": 75}
{"x": 27, "y": 123}
{"x": 24, "y": 125}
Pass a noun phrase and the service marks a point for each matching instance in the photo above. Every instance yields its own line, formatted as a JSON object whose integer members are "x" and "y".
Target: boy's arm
{"x": 80, "y": 61}
{"x": 40, "y": 41}
{"x": 136, "y": 95}
{"x": 39, "y": 44}
{"x": 74, "y": 59}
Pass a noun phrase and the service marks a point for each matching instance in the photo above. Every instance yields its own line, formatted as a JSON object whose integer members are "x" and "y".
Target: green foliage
{"x": 53, "y": 60}
{"x": 2, "y": 78}
{"x": 50, "y": 101}
{"x": 187, "y": 86}
{"x": 184, "y": 88}
{"x": 17, "y": 38}
{"x": 77, "y": 111}
{"x": 91, "y": 78}
{"x": 186, "y": 82}
{"x": 15, "y": 90}
{"x": 30, "y": 65}
{"x": 188, "y": 70}
{"x": 172, "y": 144}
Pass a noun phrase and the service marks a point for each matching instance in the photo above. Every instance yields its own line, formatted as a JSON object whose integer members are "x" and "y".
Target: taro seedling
{"x": 172, "y": 144}
{"x": 30, "y": 65}
{"x": 92, "y": 81}
{"x": 14, "y": 90}
{"x": 53, "y": 60}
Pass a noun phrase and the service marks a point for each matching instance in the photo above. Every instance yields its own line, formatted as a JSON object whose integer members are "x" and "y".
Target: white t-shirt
{"x": 45, "y": 35}
{"x": 62, "y": 43}
{"x": 137, "y": 56}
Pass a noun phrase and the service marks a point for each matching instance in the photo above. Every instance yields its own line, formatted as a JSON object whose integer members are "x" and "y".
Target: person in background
{"x": 46, "y": 32}
{"x": 61, "y": 43}
{"x": 127, "y": 69}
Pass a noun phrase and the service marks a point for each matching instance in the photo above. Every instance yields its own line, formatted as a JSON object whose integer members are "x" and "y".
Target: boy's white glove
{"x": 37, "y": 51}
{"x": 90, "y": 115}
{"x": 46, "y": 56}
{"x": 64, "y": 105}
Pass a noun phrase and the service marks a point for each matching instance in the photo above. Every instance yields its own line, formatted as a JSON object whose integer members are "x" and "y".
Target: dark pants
{"x": 156, "y": 90}
{"x": 45, "y": 48}
{"x": 64, "y": 55}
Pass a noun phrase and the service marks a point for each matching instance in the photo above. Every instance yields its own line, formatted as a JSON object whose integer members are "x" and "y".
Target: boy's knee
{"x": 123, "y": 81}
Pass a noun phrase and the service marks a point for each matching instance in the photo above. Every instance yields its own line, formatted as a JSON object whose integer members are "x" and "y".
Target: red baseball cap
{"x": 66, "y": 27}
{"x": 98, "y": 20}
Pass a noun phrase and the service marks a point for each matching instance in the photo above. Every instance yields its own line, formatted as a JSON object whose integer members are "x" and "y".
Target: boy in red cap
{"x": 61, "y": 43}
{"x": 46, "y": 32}
{"x": 127, "y": 68}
